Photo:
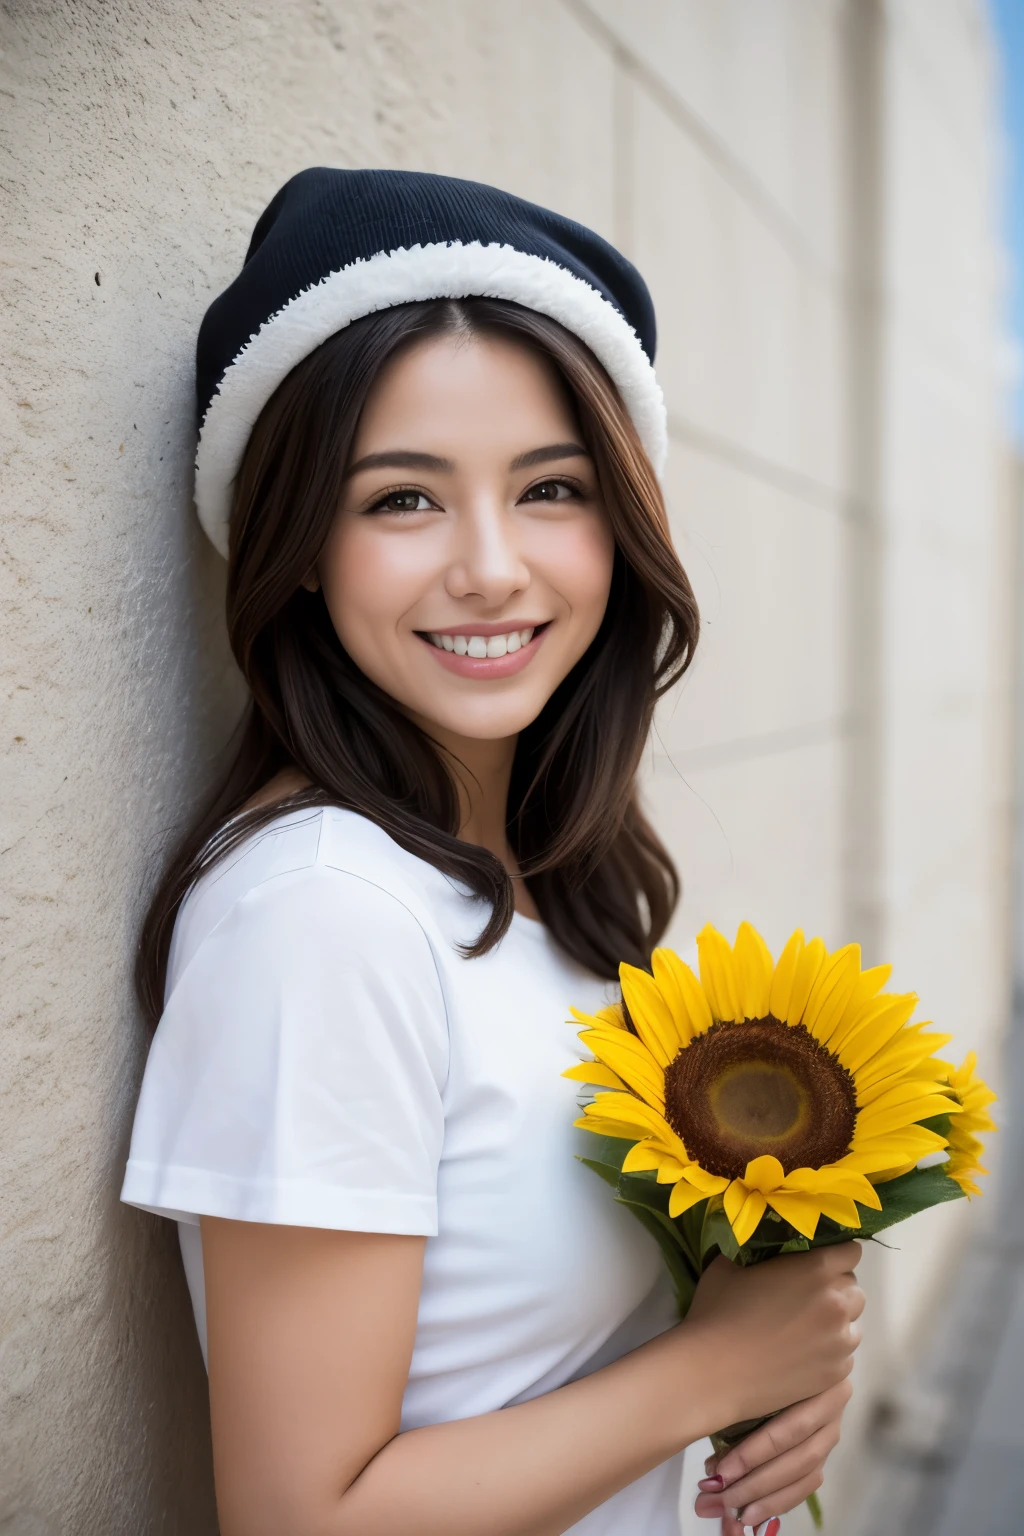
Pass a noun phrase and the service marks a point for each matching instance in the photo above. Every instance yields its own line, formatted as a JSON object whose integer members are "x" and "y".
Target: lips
{"x": 468, "y": 653}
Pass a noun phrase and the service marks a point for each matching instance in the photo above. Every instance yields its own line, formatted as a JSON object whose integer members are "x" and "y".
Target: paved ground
{"x": 951, "y": 1462}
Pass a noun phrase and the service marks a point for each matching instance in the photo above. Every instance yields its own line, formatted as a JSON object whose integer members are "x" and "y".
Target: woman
{"x": 430, "y": 429}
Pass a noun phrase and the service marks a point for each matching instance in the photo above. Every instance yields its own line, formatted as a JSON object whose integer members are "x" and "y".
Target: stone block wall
{"x": 810, "y": 190}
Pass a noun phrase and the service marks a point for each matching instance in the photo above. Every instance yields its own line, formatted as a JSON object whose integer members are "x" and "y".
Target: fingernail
{"x": 770, "y": 1527}
{"x": 711, "y": 1484}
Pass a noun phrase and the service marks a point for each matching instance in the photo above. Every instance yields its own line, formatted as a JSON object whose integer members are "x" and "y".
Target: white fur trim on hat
{"x": 442, "y": 271}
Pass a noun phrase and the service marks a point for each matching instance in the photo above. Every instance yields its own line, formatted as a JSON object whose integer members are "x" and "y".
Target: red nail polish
{"x": 711, "y": 1484}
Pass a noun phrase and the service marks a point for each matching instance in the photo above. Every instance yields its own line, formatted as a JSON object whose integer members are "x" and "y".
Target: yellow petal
{"x": 594, "y": 1073}
{"x": 717, "y": 975}
{"x": 912, "y": 1051}
{"x": 811, "y": 959}
{"x": 834, "y": 1179}
{"x": 627, "y": 1107}
{"x": 682, "y": 1198}
{"x": 645, "y": 1157}
{"x": 764, "y": 1173}
{"x": 734, "y": 1199}
{"x": 629, "y": 1057}
{"x": 707, "y": 1183}
{"x": 886, "y": 1175}
{"x": 620, "y": 1128}
{"x": 919, "y": 1099}
{"x": 871, "y": 1154}
{"x": 882, "y": 1020}
{"x": 650, "y": 1013}
{"x": 833, "y": 987}
{"x": 612, "y": 1015}
{"x": 671, "y": 1170}
{"x": 869, "y": 984}
{"x": 590, "y": 1020}
{"x": 844, "y": 1211}
{"x": 785, "y": 973}
{"x": 750, "y": 1210}
{"x": 753, "y": 967}
{"x": 880, "y": 1122}
{"x": 683, "y": 993}
{"x": 801, "y": 1211}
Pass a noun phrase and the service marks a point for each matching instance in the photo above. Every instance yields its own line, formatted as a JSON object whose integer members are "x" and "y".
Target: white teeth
{"x": 481, "y": 646}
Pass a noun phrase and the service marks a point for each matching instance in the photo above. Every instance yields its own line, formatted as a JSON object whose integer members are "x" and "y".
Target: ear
{"x": 311, "y": 581}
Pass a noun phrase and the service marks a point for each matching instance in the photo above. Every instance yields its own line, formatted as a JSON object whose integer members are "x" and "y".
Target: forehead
{"x": 465, "y": 387}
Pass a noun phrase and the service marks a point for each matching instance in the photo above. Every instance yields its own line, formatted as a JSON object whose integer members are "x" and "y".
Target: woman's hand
{"x": 778, "y": 1333}
{"x": 776, "y": 1467}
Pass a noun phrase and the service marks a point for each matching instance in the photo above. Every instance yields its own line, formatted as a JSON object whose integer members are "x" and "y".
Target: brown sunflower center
{"x": 742, "y": 1090}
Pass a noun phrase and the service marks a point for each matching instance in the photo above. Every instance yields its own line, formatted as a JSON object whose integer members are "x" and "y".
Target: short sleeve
{"x": 296, "y": 1075}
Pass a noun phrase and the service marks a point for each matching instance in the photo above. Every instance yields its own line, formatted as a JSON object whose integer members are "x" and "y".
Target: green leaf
{"x": 938, "y": 1123}
{"x": 645, "y": 1188}
{"x": 602, "y": 1170}
{"x": 796, "y": 1245}
{"x": 691, "y": 1225}
{"x": 912, "y": 1192}
{"x": 610, "y": 1151}
{"x": 716, "y": 1232}
{"x": 668, "y": 1240}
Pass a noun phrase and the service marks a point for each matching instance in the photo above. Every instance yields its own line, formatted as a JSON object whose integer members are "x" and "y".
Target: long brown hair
{"x": 601, "y": 878}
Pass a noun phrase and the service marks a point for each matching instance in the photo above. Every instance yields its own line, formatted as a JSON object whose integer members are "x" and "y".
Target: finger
{"x": 785, "y": 1470}
{"x": 840, "y": 1258}
{"x": 856, "y": 1301}
{"x": 782, "y": 1433}
{"x": 779, "y": 1503}
{"x": 854, "y": 1298}
{"x": 731, "y": 1527}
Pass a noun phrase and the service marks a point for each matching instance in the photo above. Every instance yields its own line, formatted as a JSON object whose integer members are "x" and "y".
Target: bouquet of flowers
{"x": 767, "y": 1107}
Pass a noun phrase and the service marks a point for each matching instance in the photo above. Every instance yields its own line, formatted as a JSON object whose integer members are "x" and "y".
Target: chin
{"x": 486, "y": 725}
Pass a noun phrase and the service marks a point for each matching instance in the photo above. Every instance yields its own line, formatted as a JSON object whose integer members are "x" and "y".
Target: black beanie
{"x": 336, "y": 245}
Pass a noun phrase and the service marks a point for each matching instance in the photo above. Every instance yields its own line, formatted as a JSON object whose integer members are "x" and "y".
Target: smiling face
{"x": 469, "y": 566}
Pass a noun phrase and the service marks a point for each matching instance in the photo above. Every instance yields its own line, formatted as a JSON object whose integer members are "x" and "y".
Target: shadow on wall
{"x": 152, "y": 1331}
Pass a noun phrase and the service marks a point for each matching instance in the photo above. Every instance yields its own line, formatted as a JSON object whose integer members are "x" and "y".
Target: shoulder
{"x": 311, "y": 876}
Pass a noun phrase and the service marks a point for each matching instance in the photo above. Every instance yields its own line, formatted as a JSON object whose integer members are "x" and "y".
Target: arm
{"x": 310, "y": 1338}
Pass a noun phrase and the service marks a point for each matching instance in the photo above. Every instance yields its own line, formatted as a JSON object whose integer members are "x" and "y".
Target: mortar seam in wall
{"x": 750, "y": 748}
{"x": 717, "y": 153}
{"x": 767, "y": 471}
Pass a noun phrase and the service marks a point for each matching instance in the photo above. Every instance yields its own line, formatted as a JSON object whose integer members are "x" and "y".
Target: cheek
{"x": 370, "y": 581}
{"x": 577, "y": 563}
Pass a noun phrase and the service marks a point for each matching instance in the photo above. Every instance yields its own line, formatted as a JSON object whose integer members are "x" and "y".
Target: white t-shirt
{"x": 328, "y": 1058}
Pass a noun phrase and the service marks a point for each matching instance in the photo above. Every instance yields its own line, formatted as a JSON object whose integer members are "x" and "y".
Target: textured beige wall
{"x": 808, "y": 189}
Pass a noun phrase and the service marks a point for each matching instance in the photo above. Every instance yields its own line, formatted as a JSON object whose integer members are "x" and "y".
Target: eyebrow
{"x": 547, "y": 455}
{"x": 401, "y": 458}
{"x": 405, "y": 458}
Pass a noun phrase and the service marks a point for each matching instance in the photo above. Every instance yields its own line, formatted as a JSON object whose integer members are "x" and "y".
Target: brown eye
{"x": 402, "y": 501}
{"x": 551, "y": 490}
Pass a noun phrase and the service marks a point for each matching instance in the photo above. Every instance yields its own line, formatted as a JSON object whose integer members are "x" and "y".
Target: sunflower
{"x": 787, "y": 1085}
{"x": 973, "y": 1097}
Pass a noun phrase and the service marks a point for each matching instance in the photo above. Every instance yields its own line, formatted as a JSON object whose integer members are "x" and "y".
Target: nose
{"x": 486, "y": 558}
